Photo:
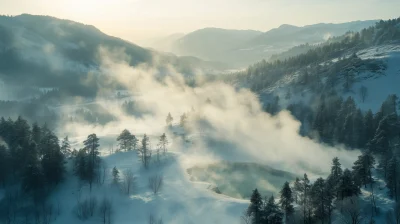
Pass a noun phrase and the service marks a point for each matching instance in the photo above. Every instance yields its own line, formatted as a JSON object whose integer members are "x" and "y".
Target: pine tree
{"x": 318, "y": 197}
{"x": 271, "y": 214}
{"x": 4, "y": 164}
{"x": 126, "y": 140}
{"x": 115, "y": 174}
{"x": 362, "y": 168}
{"x": 66, "y": 147}
{"x": 36, "y": 133}
{"x": 297, "y": 190}
{"x": 162, "y": 144}
{"x": 92, "y": 164}
{"x": 254, "y": 209}
{"x": 392, "y": 179}
{"x": 336, "y": 169}
{"x": 305, "y": 199}
{"x": 169, "y": 119}
{"x": 80, "y": 164}
{"x": 369, "y": 126}
{"x": 145, "y": 152}
{"x": 286, "y": 200}
{"x": 330, "y": 192}
{"x": 53, "y": 160}
{"x": 347, "y": 186}
{"x": 183, "y": 120}
{"x": 33, "y": 180}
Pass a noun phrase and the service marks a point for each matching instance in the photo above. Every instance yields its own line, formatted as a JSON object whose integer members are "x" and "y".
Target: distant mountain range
{"x": 50, "y": 52}
{"x": 243, "y": 47}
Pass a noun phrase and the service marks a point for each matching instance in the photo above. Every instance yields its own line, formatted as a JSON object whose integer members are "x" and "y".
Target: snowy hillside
{"x": 178, "y": 197}
{"x": 380, "y": 83}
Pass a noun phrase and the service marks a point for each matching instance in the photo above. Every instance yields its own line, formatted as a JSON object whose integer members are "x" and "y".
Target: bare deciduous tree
{"x": 363, "y": 93}
{"x": 351, "y": 211}
{"x": 105, "y": 210}
{"x": 129, "y": 181}
{"x": 245, "y": 218}
{"x": 156, "y": 183}
{"x": 153, "y": 220}
{"x": 85, "y": 209}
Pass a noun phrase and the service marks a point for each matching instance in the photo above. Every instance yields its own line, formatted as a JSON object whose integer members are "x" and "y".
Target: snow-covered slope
{"x": 380, "y": 83}
{"x": 180, "y": 200}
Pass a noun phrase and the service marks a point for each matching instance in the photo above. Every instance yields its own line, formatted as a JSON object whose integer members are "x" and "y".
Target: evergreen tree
{"x": 335, "y": 176}
{"x": 162, "y": 144}
{"x": 32, "y": 177}
{"x": 306, "y": 200}
{"x": 362, "y": 169}
{"x": 115, "y": 174}
{"x": 145, "y": 152}
{"x": 286, "y": 200}
{"x": 53, "y": 160}
{"x": 80, "y": 164}
{"x": 297, "y": 190}
{"x": 183, "y": 120}
{"x": 393, "y": 178}
{"x": 254, "y": 209}
{"x": 4, "y": 164}
{"x": 66, "y": 147}
{"x": 169, "y": 119}
{"x": 271, "y": 214}
{"x": 330, "y": 192}
{"x": 318, "y": 197}
{"x": 36, "y": 133}
{"x": 369, "y": 126}
{"x": 126, "y": 140}
{"x": 336, "y": 169}
{"x": 92, "y": 164}
{"x": 347, "y": 186}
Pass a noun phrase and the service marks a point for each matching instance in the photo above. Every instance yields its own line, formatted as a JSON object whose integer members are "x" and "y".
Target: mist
{"x": 225, "y": 123}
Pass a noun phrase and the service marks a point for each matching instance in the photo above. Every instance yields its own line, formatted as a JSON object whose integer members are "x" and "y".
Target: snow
{"x": 379, "y": 86}
{"x": 180, "y": 200}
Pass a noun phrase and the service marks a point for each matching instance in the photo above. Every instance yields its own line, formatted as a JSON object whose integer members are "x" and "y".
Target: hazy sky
{"x": 136, "y": 20}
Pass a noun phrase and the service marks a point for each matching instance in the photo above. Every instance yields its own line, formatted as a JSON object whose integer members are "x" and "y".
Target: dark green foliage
{"x": 271, "y": 214}
{"x": 52, "y": 158}
{"x": 347, "y": 186}
{"x": 66, "y": 147}
{"x": 115, "y": 174}
{"x": 93, "y": 160}
{"x": 362, "y": 169}
{"x": 30, "y": 157}
{"x": 286, "y": 200}
{"x": 127, "y": 141}
{"x": 4, "y": 164}
{"x": 145, "y": 151}
{"x": 393, "y": 178}
{"x": 255, "y": 208}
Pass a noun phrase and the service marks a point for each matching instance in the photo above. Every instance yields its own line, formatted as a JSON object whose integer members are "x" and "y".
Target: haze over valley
{"x": 249, "y": 122}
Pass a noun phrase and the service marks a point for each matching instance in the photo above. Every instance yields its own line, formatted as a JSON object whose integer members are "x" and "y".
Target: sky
{"x": 140, "y": 20}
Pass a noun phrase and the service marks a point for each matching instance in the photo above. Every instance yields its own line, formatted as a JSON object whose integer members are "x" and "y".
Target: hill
{"x": 49, "y": 52}
{"x": 240, "y": 48}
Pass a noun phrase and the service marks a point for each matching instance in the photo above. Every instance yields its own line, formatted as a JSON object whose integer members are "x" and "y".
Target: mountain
{"x": 290, "y": 36}
{"x": 163, "y": 43}
{"x": 240, "y": 48}
{"x": 366, "y": 60}
{"x": 49, "y": 52}
{"x": 212, "y": 43}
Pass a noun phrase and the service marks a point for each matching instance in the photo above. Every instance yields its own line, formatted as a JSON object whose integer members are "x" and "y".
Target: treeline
{"x": 263, "y": 74}
{"x": 307, "y": 202}
{"x": 31, "y": 166}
